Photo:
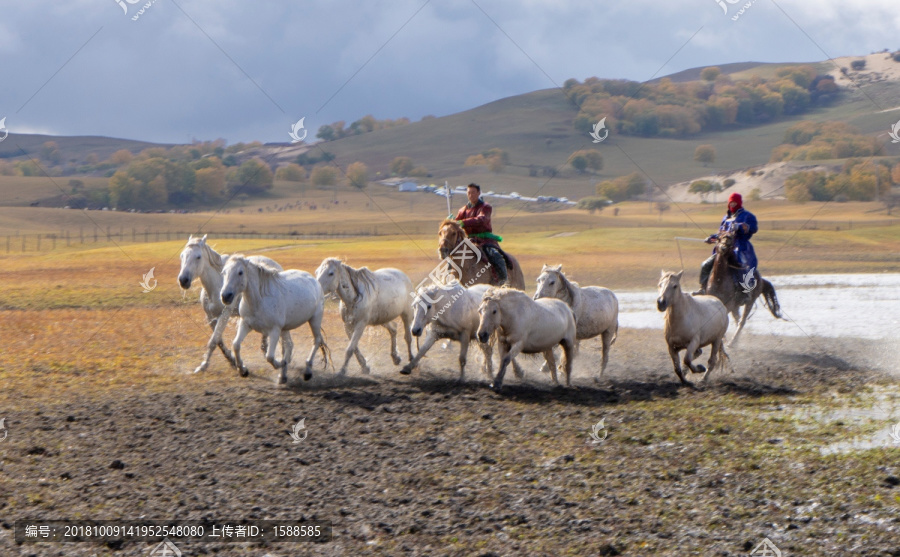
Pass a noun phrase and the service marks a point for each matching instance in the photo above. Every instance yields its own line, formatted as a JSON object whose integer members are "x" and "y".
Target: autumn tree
{"x": 252, "y": 177}
{"x": 586, "y": 159}
{"x": 710, "y": 74}
{"x": 592, "y": 204}
{"x": 121, "y": 157}
{"x": 50, "y": 152}
{"x": 705, "y": 154}
{"x": 358, "y": 175}
{"x": 210, "y": 183}
{"x": 401, "y": 166}
{"x": 324, "y": 176}
{"x": 291, "y": 173}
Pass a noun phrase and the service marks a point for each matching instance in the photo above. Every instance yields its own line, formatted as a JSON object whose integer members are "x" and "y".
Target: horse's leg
{"x": 352, "y": 349}
{"x": 744, "y": 315}
{"x": 505, "y": 359}
{"x": 315, "y": 326}
{"x": 243, "y": 329}
{"x": 392, "y": 329}
{"x": 407, "y": 333}
{"x": 607, "y": 339}
{"x": 487, "y": 352}
{"x": 674, "y": 355}
{"x": 287, "y": 350}
{"x": 211, "y": 345}
{"x": 713, "y": 358}
{"x": 273, "y": 346}
{"x": 689, "y": 356}
{"x": 430, "y": 339}
{"x": 518, "y": 370}
{"x": 463, "y": 353}
{"x": 570, "y": 350}
{"x": 550, "y": 362}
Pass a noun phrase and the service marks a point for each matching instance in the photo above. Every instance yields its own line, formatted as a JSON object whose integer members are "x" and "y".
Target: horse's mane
{"x": 216, "y": 260}
{"x": 499, "y": 293}
{"x": 572, "y": 290}
{"x": 266, "y": 273}
{"x": 452, "y": 222}
{"x": 362, "y": 280}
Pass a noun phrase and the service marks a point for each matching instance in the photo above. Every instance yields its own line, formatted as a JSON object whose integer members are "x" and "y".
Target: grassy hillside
{"x": 536, "y": 129}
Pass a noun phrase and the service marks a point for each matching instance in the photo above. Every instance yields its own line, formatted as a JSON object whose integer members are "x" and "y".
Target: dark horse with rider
{"x": 730, "y": 273}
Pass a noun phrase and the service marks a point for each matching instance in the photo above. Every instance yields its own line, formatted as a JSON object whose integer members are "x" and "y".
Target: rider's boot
{"x": 499, "y": 263}
{"x": 701, "y": 292}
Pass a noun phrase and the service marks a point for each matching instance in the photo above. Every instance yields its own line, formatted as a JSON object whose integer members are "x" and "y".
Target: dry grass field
{"x": 95, "y": 371}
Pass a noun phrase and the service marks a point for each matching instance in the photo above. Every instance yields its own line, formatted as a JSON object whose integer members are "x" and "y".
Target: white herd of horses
{"x": 274, "y": 301}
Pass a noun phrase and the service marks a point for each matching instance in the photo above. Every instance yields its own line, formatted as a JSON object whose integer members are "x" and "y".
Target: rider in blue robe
{"x": 743, "y": 224}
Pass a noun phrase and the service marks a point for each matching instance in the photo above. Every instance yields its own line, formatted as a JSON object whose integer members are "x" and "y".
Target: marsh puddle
{"x": 882, "y": 418}
{"x": 850, "y": 305}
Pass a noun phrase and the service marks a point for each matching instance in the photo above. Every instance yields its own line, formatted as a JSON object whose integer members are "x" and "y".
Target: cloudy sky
{"x": 245, "y": 70}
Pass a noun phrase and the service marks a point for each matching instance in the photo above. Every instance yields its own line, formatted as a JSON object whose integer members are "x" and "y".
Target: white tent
{"x": 409, "y": 186}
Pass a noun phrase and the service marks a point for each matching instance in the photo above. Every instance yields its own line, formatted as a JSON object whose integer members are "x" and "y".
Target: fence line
{"x": 67, "y": 238}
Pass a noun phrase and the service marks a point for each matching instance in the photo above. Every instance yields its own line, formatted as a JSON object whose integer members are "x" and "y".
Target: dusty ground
{"x": 426, "y": 466}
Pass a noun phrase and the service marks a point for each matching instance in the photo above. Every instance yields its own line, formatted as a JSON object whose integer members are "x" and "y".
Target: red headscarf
{"x": 736, "y": 198}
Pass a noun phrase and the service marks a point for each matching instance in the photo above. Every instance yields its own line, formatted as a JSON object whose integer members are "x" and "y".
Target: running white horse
{"x": 273, "y": 302}
{"x": 199, "y": 260}
{"x": 527, "y": 326}
{"x": 596, "y": 308}
{"x": 449, "y": 311}
{"x": 692, "y": 322}
{"x": 368, "y": 298}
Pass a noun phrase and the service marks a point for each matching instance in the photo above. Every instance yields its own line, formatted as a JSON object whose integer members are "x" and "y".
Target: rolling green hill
{"x": 536, "y": 129}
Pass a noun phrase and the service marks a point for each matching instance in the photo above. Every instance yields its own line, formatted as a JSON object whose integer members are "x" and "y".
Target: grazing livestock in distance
{"x": 527, "y": 326}
{"x": 368, "y": 298}
{"x": 596, "y": 308}
{"x": 273, "y": 303}
{"x": 692, "y": 322}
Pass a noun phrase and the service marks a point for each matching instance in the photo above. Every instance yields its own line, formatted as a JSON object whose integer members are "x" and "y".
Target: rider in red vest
{"x": 475, "y": 218}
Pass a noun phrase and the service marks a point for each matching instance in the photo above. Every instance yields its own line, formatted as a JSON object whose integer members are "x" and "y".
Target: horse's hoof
{"x": 366, "y": 371}
{"x": 244, "y": 372}
{"x": 700, "y": 369}
{"x": 397, "y": 359}
{"x": 406, "y": 370}
{"x": 282, "y": 380}
{"x": 496, "y": 387}
{"x": 199, "y": 369}
{"x": 307, "y": 375}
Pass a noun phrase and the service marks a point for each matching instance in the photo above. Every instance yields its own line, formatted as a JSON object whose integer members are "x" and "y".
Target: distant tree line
{"x": 808, "y": 141}
{"x": 366, "y": 124}
{"x": 858, "y": 180}
{"x": 716, "y": 102}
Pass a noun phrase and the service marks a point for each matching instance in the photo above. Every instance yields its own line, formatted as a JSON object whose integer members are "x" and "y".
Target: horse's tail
{"x": 326, "y": 352}
{"x": 768, "y": 292}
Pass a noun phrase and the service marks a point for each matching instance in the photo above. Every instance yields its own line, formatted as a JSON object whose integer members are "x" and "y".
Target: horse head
{"x": 235, "y": 278}
{"x": 550, "y": 283}
{"x": 450, "y": 235}
{"x": 725, "y": 243}
{"x": 191, "y": 261}
{"x": 669, "y": 288}
{"x": 488, "y": 316}
{"x": 425, "y": 304}
{"x": 329, "y": 275}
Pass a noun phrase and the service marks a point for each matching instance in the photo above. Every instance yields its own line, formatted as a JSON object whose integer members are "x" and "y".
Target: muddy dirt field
{"x": 424, "y": 465}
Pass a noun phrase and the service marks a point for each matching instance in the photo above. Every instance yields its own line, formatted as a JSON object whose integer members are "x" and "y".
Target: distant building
{"x": 409, "y": 186}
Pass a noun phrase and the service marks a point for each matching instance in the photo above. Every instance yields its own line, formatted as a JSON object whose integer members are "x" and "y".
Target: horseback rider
{"x": 742, "y": 223}
{"x": 475, "y": 219}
